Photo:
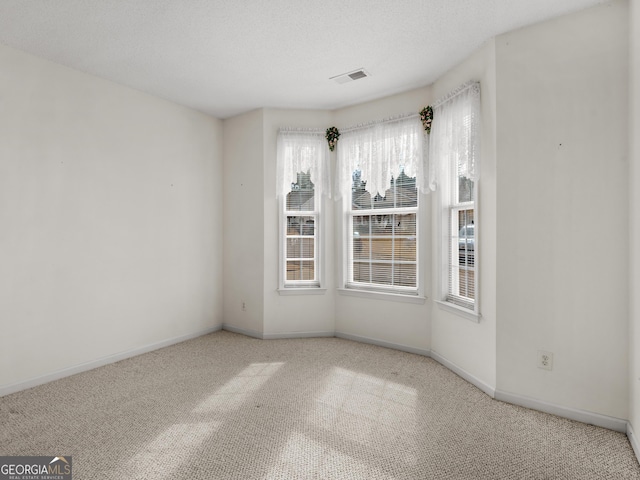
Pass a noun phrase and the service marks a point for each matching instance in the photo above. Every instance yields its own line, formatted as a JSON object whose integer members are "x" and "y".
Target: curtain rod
{"x": 362, "y": 126}
{"x": 300, "y": 130}
{"x": 454, "y": 93}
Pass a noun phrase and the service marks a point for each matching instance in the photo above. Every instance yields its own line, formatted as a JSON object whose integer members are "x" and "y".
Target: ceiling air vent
{"x": 351, "y": 76}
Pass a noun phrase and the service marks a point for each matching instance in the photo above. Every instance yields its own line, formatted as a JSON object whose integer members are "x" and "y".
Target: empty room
{"x": 332, "y": 240}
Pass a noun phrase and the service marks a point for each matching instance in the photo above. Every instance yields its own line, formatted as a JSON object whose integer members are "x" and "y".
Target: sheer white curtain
{"x": 455, "y": 137}
{"x": 303, "y": 151}
{"x": 380, "y": 151}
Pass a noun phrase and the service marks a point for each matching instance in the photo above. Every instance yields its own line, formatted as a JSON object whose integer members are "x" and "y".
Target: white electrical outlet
{"x": 244, "y": 307}
{"x": 545, "y": 360}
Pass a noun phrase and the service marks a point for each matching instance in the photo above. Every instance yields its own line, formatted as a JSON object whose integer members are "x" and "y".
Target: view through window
{"x": 462, "y": 264}
{"x": 383, "y": 235}
{"x": 301, "y": 235}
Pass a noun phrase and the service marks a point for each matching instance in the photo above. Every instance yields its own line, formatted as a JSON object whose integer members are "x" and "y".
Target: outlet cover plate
{"x": 545, "y": 360}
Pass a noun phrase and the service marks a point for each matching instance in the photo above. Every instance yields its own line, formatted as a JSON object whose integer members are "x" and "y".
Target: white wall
{"x": 387, "y": 321}
{"x": 114, "y": 205}
{"x": 110, "y": 211}
{"x": 562, "y": 238}
{"x": 468, "y": 345}
{"x": 282, "y": 314}
{"x": 244, "y": 222}
{"x": 634, "y": 205}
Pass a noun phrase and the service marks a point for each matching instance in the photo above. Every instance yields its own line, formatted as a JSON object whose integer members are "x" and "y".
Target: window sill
{"x": 302, "y": 291}
{"x": 394, "y": 297}
{"x": 460, "y": 311}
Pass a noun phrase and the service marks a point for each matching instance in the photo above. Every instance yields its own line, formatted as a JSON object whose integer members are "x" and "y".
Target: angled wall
{"x": 294, "y": 314}
{"x": 243, "y": 223}
{"x": 562, "y": 243}
{"x": 467, "y": 346}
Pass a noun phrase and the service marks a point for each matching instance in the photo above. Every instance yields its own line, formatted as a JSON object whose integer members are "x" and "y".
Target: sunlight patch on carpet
{"x": 233, "y": 394}
{"x": 162, "y": 457}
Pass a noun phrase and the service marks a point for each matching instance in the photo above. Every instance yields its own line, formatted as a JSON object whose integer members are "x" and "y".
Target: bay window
{"x": 379, "y": 166}
{"x": 303, "y": 179}
{"x": 454, "y": 165}
{"x": 383, "y": 236}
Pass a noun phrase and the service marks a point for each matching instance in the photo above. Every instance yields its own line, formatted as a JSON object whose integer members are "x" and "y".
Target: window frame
{"x": 455, "y": 151}
{"x": 447, "y": 205}
{"x": 395, "y": 290}
{"x": 301, "y": 286}
{"x": 453, "y": 241}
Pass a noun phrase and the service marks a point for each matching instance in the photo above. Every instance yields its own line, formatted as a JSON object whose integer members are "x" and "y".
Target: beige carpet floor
{"x": 225, "y": 406}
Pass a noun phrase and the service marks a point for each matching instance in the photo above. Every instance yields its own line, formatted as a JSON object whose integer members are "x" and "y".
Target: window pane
{"x": 405, "y": 224}
{"x": 300, "y": 270}
{"x": 361, "y": 272}
{"x": 300, "y": 248}
{"x": 466, "y": 237}
{"x": 465, "y": 189}
{"x": 300, "y": 226}
{"x": 302, "y": 195}
{"x": 361, "y": 225}
{"x": 382, "y": 248}
{"x": 406, "y": 192}
{"x": 381, "y": 224}
{"x": 381, "y": 273}
{"x": 405, "y": 249}
{"x": 360, "y": 198}
{"x": 402, "y": 193}
{"x": 404, "y": 275}
{"x": 462, "y": 268}
{"x": 467, "y": 282}
{"x": 380, "y": 242}
{"x": 383, "y": 202}
{"x": 361, "y": 248}
{"x": 464, "y": 279}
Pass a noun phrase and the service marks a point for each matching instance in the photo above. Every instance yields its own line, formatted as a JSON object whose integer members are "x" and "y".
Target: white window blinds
{"x": 378, "y": 167}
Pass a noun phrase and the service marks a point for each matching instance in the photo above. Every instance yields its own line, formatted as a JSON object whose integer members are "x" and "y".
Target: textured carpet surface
{"x": 228, "y": 406}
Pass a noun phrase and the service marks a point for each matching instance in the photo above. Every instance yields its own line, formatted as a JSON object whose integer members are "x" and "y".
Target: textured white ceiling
{"x": 225, "y": 57}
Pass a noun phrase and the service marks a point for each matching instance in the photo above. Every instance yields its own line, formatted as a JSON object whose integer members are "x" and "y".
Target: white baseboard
{"x": 633, "y": 440}
{"x": 605, "y": 421}
{"x": 83, "y": 367}
{"x": 472, "y": 379}
{"x": 274, "y": 336}
{"x": 612, "y": 423}
{"x": 583, "y": 416}
{"x": 381, "y": 343}
{"x": 347, "y": 336}
{"x": 243, "y": 331}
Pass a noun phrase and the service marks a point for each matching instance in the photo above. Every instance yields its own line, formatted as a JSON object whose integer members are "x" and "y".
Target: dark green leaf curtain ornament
{"x": 426, "y": 116}
{"x": 332, "y": 137}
